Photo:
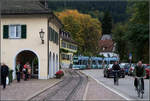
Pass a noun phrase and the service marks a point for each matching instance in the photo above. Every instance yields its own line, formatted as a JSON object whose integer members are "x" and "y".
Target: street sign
{"x": 130, "y": 56}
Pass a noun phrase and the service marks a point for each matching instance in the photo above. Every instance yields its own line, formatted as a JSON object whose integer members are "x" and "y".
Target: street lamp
{"x": 42, "y": 35}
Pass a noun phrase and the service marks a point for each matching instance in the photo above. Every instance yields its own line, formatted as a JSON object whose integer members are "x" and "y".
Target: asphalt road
{"x": 125, "y": 88}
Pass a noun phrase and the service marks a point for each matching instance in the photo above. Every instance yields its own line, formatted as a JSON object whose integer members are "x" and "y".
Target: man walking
{"x": 18, "y": 71}
{"x": 4, "y": 74}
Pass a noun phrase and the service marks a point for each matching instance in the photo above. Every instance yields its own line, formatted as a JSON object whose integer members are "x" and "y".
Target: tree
{"x": 107, "y": 23}
{"x": 83, "y": 28}
{"x": 133, "y": 36}
{"x": 138, "y": 30}
{"x": 118, "y": 35}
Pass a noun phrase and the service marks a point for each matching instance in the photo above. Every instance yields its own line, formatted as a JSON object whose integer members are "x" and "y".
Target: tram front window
{"x": 75, "y": 63}
{"x": 94, "y": 62}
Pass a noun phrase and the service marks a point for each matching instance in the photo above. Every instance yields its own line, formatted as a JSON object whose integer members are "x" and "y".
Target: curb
{"x": 41, "y": 91}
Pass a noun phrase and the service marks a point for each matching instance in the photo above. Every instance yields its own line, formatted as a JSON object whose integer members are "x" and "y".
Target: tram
{"x": 80, "y": 62}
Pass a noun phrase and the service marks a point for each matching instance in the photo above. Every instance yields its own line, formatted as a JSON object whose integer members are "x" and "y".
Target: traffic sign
{"x": 130, "y": 56}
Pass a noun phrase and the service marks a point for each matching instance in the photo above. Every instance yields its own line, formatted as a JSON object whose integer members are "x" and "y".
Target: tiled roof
{"x": 106, "y": 45}
{"x": 9, "y": 7}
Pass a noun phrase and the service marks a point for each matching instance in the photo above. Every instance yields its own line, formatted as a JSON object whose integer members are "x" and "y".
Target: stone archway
{"x": 29, "y": 56}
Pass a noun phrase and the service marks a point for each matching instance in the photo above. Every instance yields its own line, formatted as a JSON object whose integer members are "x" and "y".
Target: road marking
{"x": 86, "y": 90}
{"x": 111, "y": 89}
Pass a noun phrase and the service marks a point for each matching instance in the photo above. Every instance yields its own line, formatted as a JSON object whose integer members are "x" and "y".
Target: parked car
{"x": 147, "y": 69}
{"x": 109, "y": 73}
{"x": 131, "y": 69}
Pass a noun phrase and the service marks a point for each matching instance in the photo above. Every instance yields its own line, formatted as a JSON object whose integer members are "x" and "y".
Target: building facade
{"x": 21, "y": 23}
{"x": 67, "y": 49}
{"x": 107, "y": 46}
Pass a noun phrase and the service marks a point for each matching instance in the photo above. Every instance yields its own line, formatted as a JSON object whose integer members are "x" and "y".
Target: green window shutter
{"x": 5, "y": 31}
{"x": 23, "y": 31}
{"x": 56, "y": 38}
{"x": 51, "y": 34}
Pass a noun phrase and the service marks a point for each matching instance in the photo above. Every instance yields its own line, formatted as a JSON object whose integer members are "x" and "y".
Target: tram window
{"x": 80, "y": 62}
{"x": 84, "y": 62}
{"x": 100, "y": 62}
{"x": 105, "y": 62}
{"x": 94, "y": 62}
{"x": 112, "y": 62}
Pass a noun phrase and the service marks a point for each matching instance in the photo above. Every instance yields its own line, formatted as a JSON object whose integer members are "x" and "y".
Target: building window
{"x": 14, "y": 31}
{"x": 65, "y": 57}
{"x": 63, "y": 44}
{"x": 53, "y": 35}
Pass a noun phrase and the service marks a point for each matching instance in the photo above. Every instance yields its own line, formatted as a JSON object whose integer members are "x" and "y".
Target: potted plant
{"x": 59, "y": 74}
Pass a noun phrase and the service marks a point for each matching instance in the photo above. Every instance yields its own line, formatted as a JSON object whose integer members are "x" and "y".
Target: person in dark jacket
{"x": 115, "y": 67}
{"x": 139, "y": 71}
{"x": 18, "y": 73}
{"x": 4, "y": 74}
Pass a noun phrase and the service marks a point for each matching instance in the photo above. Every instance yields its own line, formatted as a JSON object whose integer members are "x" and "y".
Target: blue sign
{"x": 130, "y": 56}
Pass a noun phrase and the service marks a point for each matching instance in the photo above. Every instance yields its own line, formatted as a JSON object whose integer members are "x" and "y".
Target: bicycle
{"x": 140, "y": 91}
{"x": 116, "y": 77}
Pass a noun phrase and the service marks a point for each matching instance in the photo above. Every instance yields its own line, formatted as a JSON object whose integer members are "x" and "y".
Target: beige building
{"x": 21, "y": 23}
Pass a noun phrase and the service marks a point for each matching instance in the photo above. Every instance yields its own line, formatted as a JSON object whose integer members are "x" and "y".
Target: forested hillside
{"x": 95, "y": 8}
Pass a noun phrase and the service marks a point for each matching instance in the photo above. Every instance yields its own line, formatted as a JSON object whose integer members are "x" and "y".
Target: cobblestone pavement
{"x": 71, "y": 88}
{"x": 25, "y": 89}
{"x": 126, "y": 85}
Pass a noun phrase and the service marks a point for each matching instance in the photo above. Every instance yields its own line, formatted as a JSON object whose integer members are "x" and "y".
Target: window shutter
{"x": 23, "y": 31}
{"x": 51, "y": 33}
{"x": 56, "y": 38}
{"x": 5, "y": 31}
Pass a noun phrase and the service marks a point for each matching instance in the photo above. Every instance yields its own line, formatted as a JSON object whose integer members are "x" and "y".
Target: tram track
{"x": 65, "y": 90}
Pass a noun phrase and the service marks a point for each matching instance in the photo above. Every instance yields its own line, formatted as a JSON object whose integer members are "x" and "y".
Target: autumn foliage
{"x": 83, "y": 28}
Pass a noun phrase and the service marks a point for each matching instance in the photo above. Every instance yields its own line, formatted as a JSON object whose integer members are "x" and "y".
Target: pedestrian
{"x": 4, "y": 74}
{"x": 18, "y": 72}
{"x": 27, "y": 70}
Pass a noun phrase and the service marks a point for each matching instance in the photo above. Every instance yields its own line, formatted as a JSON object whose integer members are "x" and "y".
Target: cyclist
{"x": 115, "y": 68}
{"x": 139, "y": 71}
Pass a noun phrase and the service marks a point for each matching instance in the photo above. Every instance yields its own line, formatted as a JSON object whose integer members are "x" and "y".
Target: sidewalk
{"x": 95, "y": 91}
{"x": 25, "y": 89}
